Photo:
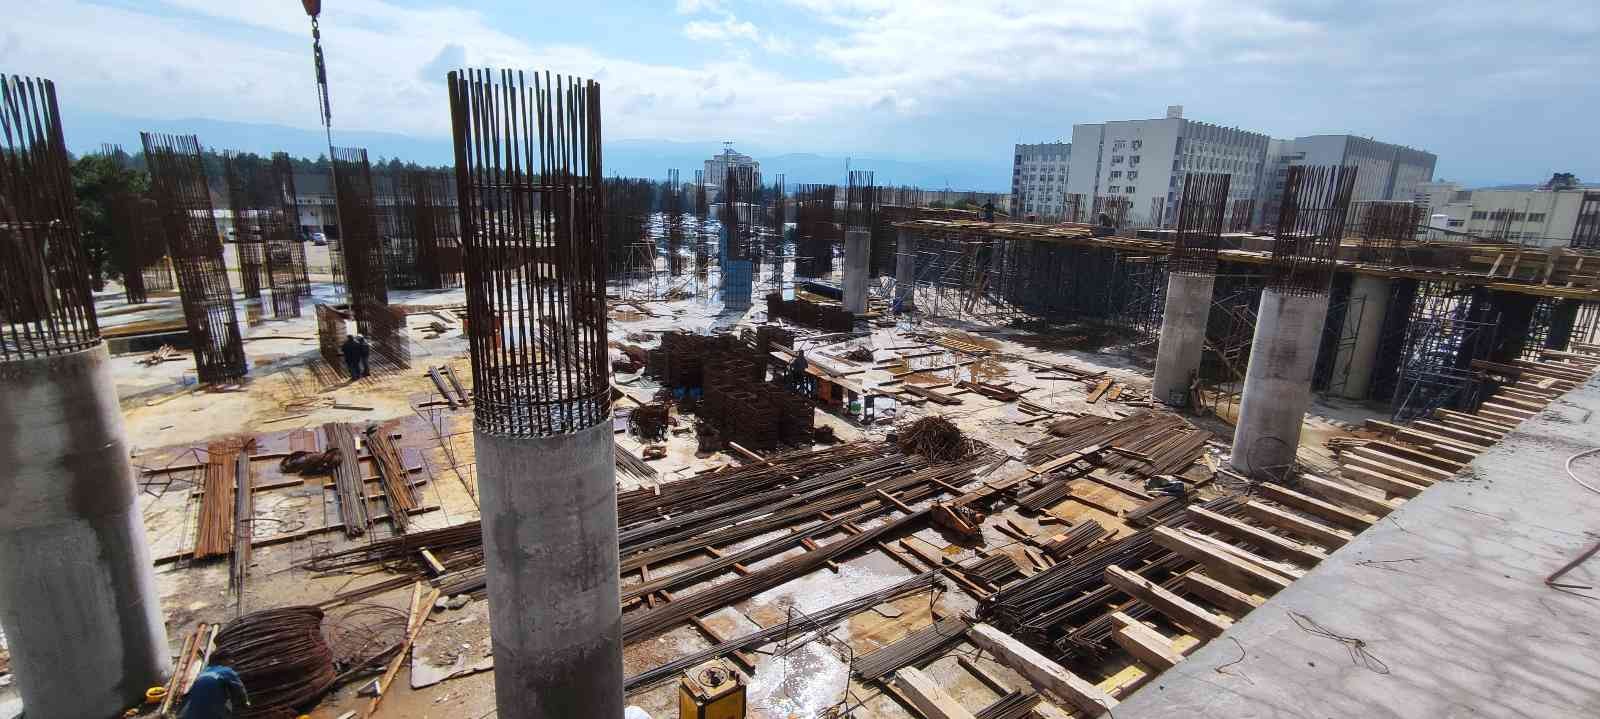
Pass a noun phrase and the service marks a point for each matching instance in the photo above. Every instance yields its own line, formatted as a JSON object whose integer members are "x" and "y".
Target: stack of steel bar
{"x": 397, "y": 489}
{"x": 991, "y": 569}
{"x": 1054, "y": 487}
{"x": 1073, "y": 541}
{"x": 459, "y": 538}
{"x": 911, "y": 648}
{"x": 1177, "y": 444}
{"x": 215, "y": 526}
{"x": 282, "y": 658}
{"x": 1016, "y": 705}
{"x": 803, "y": 623}
{"x": 832, "y": 318}
{"x": 1153, "y": 511}
{"x": 643, "y": 506}
{"x": 347, "y": 479}
{"x": 633, "y": 466}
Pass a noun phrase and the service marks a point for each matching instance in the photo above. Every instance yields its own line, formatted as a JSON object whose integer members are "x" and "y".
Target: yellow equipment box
{"x": 711, "y": 691}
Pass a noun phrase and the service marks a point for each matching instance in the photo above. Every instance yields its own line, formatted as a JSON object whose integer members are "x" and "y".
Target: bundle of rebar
{"x": 910, "y": 649}
{"x": 633, "y": 466}
{"x": 400, "y": 549}
{"x": 397, "y": 490}
{"x": 244, "y": 514}
{"x": 1075, "y": 540}
{"x": 1017, "y": 704}
{"x": 934, "y": 437}
{"x": 1154, "y": 510}
{"x": 1053, "y": 488}
{"x": 348, "y": 482}
{"x": 308, "y": 463}
{"x": 215, "y": 526}
{"x": 804, "y": 622}
{"x": 992, "y": 569}
{"x": 282, "y": 658}
{"x": 1146, "y": 443}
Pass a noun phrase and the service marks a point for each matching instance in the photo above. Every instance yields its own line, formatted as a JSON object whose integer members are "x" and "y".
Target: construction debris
{"x": 934, "y": 437}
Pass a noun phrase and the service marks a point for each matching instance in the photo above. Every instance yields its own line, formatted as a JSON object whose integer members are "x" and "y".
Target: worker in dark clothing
{"x": 797, "y": 371}
{"x": 988, "y": 211}
{"x": 351, "y": 351}
{"x": 218, "y": 693}
{"x": 365, "y": 354}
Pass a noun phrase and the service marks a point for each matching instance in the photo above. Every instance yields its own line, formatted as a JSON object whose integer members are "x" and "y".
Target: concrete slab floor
{"x": 1440, "y": 610}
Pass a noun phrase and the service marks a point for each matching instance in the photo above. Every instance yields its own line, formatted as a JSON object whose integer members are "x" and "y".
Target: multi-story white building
{"x": 1039, "y": 181}
{"x": 1537, "y": 218}
{"x": 1145, "y": 161}
{"x": 716, "y": 169}
{"x": 1384, "y": 171}
{"x": 1438, "y": 194}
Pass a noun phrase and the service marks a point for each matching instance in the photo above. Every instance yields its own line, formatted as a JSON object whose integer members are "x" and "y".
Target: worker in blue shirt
{"x": 217, "y": 694}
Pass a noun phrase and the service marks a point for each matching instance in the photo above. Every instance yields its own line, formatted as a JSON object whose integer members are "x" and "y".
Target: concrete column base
{"x": 78, "y": 602}
{"x": 1369, "y": 296}
{"x": 1277, "y": 384}
{"x": 855, "y": 270}
{"x": 549, "y": 507}
{"x": 1183, "y": 336}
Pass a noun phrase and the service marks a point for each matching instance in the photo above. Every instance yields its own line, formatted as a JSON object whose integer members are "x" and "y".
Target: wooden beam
{"x": 1266, "y": 542}
{"x": 927, "y": 697}
{"x": 1472, "y": 418}
{"x": 1225, "y": 597}
{"x": 1414, "y": 471}
{"x": 1042, "y": 672}
{"x": 1454, "y": 449}
{"x": 1229, "y": 568}
{"x": 1411, "y": 452}
{"x": 1333, "y": 513}
{"x": 1295, "y": 524}
{"x": 1181, "y": 611}
{"x": 1374, "y": 474}
{"x": 1349, "y": 497}
{"x": 1145, "y": 644}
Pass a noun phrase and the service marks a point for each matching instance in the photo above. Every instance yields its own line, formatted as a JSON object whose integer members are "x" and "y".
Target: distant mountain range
{"x": 86, "y": 132}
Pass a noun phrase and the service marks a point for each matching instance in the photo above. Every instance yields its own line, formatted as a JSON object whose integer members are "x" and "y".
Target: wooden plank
{"x": 1227, "y": 567}
{"x": 1334, "y": 514}
{"x": 1414, "y": 471}
{"x": 1181, "y": 611}
{"x": 1282, "y": 569}
{"x": 927, "y": 697}
{"x": 1347, "y": 496}
{"x": 1099, "y": 389}
{"x": 421, "y": 607}
{"x": 1356, "y": 472}
{"x": 1411, "y": 452}
{"x": 1444, "y": 446}
{"x": 1507, "y": 410}
{"x": 1322, "y": 534}
{"x": 1451, "y": 414}
{"x": 1042, "y": 672}
{"x": 1145, "y": 644}
{"x": 1463, "y": 434}
{"x": 1225, "y": 597}
{"x": 1266, "y": 542}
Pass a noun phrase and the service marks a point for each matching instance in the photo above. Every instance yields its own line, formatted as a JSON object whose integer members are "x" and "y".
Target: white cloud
{"x": 726, "y": 30}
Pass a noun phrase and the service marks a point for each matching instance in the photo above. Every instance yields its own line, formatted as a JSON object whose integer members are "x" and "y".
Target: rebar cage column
{"x": 530, "y": 193}
{"x": 1289, "y": 325}
{"x": 178, "y": 181}
{"x": 1191, "y": 277}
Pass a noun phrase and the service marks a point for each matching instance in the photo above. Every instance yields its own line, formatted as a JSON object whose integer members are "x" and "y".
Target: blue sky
{"x": 1502, "y": 92}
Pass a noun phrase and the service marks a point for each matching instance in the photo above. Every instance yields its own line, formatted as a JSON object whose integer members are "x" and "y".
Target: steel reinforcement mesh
{"x": 178, "y": 181}
{"x": 1386, "y": 228}
{"x": 286, "y": 249}
{"x": 528, "y": 173}
{"x": 46, "y": 303}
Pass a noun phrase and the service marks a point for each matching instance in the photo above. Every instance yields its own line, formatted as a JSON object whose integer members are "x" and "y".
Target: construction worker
{"x": 365, "y": 355}
{"x": 351, "y": 351}
{"x": 218, "y": 693}
{"x": 988, "y": 211}
{"x": 797, "y": 371}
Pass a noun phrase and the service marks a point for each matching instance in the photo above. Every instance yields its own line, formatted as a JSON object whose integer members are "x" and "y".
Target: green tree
{"x": 1562, "y": 181}
{"x": 99, "y": 180}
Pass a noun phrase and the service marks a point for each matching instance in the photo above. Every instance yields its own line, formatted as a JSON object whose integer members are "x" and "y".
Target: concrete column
{"x": 905, "y": 269}
{"x": 855, "y": 270}
{"x": 1183, "y": 335}
{"x": 78, "y": 602}
{"x": 549, "y": 507}
{"x": 1369, "y": 305}
{"x": 1277, "y": 384}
